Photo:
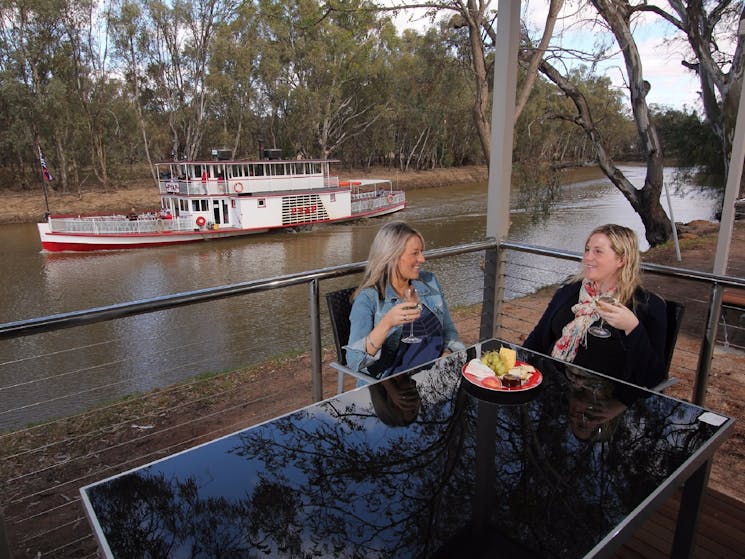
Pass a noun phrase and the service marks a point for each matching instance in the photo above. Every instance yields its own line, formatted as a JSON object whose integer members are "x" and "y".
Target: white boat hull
{"x": 65, "y": 241}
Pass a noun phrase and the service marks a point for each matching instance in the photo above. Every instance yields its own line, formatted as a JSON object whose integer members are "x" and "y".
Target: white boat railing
{"x": 233, "y": 185}
{"x": 104, "y": 225}
{"x": 370, "y": 201}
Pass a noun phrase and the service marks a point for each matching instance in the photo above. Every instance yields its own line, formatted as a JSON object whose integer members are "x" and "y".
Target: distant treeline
{"x": 105, "y": 90}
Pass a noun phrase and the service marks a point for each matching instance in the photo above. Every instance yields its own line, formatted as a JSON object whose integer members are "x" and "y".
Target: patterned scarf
{"x": 575, "y": 332}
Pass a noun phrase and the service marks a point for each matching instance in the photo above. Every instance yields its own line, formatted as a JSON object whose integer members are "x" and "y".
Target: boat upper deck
{"x": 221, "y": 178}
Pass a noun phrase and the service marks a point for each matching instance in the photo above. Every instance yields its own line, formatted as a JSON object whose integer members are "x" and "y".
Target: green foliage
{"x": 688, "y": 140}
{"x": 147, "y": 80}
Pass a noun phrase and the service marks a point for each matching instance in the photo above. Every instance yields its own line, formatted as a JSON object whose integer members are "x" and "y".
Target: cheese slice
{"x": 523, "y": 372}
{"x": 508, "y": 357}
{"x": 476, "y": 368}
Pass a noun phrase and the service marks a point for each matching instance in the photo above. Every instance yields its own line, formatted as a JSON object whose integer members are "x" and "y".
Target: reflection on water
{"x": 101, "y": 362}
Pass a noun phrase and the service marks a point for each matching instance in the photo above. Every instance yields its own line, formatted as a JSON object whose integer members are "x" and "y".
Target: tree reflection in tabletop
{"x": 335, "y": 480}
{"x": 561, "y": 481}
{"x": 330, "y": 480}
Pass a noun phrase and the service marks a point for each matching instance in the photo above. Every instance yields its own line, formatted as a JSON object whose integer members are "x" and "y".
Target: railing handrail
{"x": 121, "y": 310}
{"x": 681, "y": 273}
{"x": 312, "y": 278}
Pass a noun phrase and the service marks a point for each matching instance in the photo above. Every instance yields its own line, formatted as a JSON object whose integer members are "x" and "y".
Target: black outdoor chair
{"x": 675, "y": 312}
{"x": 339, "y": 304}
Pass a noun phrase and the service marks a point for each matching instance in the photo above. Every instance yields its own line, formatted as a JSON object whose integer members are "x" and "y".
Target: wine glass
{"x": 599, "y": 330}
{"x": 411, "y": 297}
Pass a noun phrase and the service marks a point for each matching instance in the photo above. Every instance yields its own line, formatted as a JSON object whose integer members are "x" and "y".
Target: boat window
{"x": 199, "y": 205}
{"x": 261, "y": 203}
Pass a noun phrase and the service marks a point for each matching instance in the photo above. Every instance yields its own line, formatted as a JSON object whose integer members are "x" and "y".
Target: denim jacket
{"x": 368, "y": 311}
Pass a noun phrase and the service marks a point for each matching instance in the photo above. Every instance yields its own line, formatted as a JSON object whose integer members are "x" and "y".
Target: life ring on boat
{"x": 238, "y": 187}
{"x": 390, "y": 198}
{"x": 201, "y": 221}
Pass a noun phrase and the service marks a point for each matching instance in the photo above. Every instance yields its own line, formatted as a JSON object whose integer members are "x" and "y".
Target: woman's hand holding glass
{"x": 403, "y": 313}
{"x": 617, "y": 315}
{"x": 415, "y": 309}
{"x": 599, "y": 330}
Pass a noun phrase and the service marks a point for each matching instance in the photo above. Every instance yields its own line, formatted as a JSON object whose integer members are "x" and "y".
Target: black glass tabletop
{"x": 424, "y": 464}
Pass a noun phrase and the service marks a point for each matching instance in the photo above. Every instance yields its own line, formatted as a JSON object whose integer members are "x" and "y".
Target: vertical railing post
{"x": 316, "y": 359}
{"x": 491, "y": 310}
{"x": 706, "y": 354}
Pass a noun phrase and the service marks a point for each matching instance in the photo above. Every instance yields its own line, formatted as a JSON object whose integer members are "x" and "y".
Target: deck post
{"x": 500, "y": 144}
{"x": 315, "y": 341}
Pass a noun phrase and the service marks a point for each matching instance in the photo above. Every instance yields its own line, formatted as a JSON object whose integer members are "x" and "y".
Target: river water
{"x": 54, "y": 374}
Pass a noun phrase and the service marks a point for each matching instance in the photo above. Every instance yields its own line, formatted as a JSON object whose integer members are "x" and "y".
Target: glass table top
{"x": 424, "y": 464}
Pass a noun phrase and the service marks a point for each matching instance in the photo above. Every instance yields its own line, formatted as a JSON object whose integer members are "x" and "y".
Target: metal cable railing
{"x": 43, "y": 465}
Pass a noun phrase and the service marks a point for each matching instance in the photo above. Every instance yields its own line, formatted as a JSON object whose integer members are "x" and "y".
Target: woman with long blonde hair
{"x": 635, "y": 322}
{"x": 392, "y": 330}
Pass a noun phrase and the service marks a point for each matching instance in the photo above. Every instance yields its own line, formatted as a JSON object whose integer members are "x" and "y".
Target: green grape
{"x": 492, "y": 360}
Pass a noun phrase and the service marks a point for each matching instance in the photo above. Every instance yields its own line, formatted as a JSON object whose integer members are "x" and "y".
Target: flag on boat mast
{"x": 44, "y": 169}
{"x": 47, "y": 176}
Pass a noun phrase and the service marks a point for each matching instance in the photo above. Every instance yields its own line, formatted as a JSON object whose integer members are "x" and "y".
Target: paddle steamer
{"x": 205, "y": 200}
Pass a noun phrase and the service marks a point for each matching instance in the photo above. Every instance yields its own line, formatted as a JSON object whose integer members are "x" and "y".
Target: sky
{"x": 672, "y": 84}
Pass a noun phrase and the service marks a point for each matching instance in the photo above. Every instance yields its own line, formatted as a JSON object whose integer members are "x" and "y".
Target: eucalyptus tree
{"x": 31, "y": 38}
{"x": 130, "y": 34}
{"x": 431, "y": 97}
{"x": 88, "y": 76}
{"x": 615, "y": 16}
{"x": 714, "y": 33}
{"x": 181, "y": 36}
{"x": 234, "y": 84}
{"x": 321, "y": 71}
{"x": 478, "y": 17}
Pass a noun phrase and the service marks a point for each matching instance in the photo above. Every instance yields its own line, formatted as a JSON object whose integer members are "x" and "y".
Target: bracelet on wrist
{"x": 369, "y": 341}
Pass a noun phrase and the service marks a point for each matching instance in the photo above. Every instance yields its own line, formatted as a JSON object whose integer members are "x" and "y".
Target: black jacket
{"x": 637, "y": 358}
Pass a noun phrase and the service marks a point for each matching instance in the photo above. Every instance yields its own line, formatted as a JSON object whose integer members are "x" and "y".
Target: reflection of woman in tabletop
{"x": 396, "y": 400}
{"x": 637, "y": 322}
{"x": 594, "y": 412}
{"x": 380, "y": 310}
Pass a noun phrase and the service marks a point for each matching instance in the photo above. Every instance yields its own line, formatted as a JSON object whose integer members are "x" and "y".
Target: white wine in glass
{"x": 599, "y": 330}
{"x": 412, "y": 298}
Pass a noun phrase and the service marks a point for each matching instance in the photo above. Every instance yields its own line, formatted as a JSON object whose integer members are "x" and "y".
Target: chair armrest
{"x": 344, "y": 370}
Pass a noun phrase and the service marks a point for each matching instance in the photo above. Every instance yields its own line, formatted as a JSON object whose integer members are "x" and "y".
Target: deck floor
{"x": 721, "y": 530}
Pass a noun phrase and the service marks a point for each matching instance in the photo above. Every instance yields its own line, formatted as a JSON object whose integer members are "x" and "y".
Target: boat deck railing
{"x": 372, "y": 201}
{"x": 103, "y": 225}
{"x": 262, "y": 184}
